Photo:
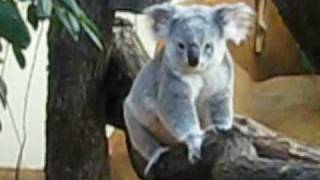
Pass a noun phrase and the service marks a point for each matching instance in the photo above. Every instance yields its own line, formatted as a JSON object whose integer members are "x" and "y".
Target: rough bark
{"x": 302, "y": 19}
{"x": 249, "y": 152}
{"x": 127, "y": 58}
{"x": 76, "y": 146}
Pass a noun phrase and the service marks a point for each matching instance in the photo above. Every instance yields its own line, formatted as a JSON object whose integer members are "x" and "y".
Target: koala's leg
{"x": 179, "y": 115}
{"x": 220, "y": 113}
{"x": 142, "y": 140}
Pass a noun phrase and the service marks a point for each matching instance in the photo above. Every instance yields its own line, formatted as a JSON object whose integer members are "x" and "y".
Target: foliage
{"x": 12, "y": 26}
{"x": 14, "y": 30}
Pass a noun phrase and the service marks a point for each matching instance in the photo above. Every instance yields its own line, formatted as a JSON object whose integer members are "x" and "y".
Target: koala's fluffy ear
{"x": 161, "y": 16}
{"x": 234, "y": 20}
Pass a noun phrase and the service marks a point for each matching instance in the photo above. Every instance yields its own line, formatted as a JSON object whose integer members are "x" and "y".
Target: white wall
{"x": 141, "y": 26}
{"x": 16, "y": 80}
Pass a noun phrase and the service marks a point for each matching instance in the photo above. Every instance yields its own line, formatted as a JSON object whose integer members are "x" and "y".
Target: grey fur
{"x": 172, "y": 100}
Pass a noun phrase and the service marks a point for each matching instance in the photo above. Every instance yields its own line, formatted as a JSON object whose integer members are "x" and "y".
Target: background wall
{"x": 16, "y": 80}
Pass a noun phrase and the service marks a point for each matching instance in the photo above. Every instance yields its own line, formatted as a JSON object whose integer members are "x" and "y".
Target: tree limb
{"x": 239, "y": 154}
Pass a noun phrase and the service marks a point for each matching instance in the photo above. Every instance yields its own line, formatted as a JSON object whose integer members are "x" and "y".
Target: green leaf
{"x": 19, "y": 56}
{"x": 63, "y": 17}
{"x": 93, "y": 35}
{"x": 32, "y": 16}
{"x": 91, "y": 30}
{"x": 73, "y": 22}
{"x": 74, "y": 7}
{"x": 86, "y": 21}
{"x": 44, "y": 8}
{"x": 306, "y": 63}
{"x": 88, "y": 26}
{"x": 12, "y": 27}
{"x": 3, "y": 92}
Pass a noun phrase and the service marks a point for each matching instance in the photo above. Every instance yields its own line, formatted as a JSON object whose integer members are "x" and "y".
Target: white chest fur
{"x": 196, "y": 83}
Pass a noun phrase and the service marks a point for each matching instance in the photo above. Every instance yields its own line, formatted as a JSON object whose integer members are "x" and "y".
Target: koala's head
{"x": 196, "y": 36}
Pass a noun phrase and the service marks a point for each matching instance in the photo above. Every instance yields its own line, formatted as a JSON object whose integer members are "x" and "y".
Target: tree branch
{"x": 236, "y": 155}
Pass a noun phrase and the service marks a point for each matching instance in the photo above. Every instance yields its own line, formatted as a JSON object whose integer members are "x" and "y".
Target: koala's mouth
{"x": 200, "y": 67}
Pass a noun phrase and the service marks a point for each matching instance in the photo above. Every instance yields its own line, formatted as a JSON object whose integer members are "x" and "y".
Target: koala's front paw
{"x": 223, "y": 127}
{"x": 154, "y": 159}
{"x": 194, "y": 143}
{"x": 218, "y": 129}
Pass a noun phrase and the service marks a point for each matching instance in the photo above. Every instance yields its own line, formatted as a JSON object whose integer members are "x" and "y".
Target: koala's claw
{"x": 194, "y": 154}
{"x": 154, "y": 158}
{"x": 194, "y": 143}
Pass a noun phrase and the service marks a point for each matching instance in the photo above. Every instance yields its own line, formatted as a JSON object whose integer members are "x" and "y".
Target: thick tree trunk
{"x": 76, "y": 142}
{"x": 249, "y": 152}
{"x": 302, "y": 19}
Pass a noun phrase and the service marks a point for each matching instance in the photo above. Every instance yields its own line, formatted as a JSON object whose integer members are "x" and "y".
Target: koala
{"x": 188, "y": 89}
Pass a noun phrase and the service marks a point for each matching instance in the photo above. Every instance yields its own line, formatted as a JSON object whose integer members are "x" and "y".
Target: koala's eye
{"x": 208, "y": 47}
{"x": 181, "y": 46}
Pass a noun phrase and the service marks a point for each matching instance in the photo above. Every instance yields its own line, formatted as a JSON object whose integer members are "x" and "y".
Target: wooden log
{"x": 249, "y": 151}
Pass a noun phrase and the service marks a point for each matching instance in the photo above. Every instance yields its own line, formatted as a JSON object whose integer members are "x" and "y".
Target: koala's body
{"x": 188, "y": 89}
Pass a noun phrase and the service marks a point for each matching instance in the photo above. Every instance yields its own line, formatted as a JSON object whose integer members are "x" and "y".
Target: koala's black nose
{"x": 193, "y": 56}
